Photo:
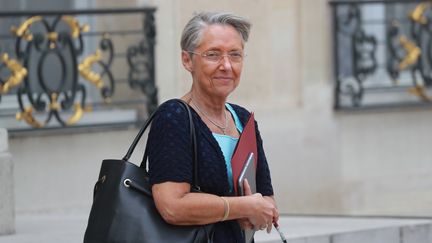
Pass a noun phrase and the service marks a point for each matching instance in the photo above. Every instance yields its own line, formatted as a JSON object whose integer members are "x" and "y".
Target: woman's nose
{"x": 225, "y": 63}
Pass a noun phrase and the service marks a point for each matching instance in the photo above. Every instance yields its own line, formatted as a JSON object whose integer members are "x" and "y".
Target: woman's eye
{"x": 212, "y": 54}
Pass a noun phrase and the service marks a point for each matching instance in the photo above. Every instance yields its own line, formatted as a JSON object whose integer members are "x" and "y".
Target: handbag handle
{"x": 195, "y": 185}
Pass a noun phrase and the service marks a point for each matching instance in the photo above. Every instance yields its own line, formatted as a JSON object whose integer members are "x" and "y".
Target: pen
{"x": 282, "y": 236}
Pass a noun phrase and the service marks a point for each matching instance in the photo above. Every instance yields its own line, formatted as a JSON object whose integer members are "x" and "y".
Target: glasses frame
{"x": 206, "y": 57}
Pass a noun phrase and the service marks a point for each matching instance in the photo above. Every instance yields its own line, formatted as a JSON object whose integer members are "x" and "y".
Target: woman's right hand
{"x": 262, "y": 211}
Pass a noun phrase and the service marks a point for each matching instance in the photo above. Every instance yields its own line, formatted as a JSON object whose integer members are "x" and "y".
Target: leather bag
{"x": 123, "y": 209}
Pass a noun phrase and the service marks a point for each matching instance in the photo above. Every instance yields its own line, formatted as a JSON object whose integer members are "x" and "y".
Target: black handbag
{"x": 123, "y": 209}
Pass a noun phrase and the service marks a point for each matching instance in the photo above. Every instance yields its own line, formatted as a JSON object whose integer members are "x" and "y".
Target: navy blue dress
{"x": 170, "y": 159}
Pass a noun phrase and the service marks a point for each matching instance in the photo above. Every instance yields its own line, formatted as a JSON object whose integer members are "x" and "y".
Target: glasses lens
{"x": 212, "y": 56}
{"x": 236, "y": 56}
{"x": 216, "y": 56}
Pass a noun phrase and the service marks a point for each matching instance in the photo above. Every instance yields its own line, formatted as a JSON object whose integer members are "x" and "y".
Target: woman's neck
{"x": 212, "y": 112}
{"x": 214, "y": 107}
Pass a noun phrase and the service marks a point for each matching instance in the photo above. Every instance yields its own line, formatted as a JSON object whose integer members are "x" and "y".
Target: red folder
{"x": 246, "y": 144}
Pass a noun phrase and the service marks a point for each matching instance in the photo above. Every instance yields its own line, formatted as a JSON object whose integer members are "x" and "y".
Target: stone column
{"x": 7, "y": 214}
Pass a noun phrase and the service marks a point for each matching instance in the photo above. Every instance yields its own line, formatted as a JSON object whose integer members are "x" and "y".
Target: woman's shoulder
{"x": 171, "y": 109}
{"x": 171, "y": 116}
{"x": 170, "y": 105}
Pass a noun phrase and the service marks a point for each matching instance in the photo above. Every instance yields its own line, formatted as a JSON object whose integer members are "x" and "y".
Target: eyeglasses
{"x": 216, "y": 56}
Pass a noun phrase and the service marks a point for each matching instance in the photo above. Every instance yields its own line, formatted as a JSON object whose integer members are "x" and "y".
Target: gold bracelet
{"x": 226, "y": 209}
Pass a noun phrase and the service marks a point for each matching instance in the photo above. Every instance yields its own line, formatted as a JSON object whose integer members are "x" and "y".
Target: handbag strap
{"x": 195, "y": 184}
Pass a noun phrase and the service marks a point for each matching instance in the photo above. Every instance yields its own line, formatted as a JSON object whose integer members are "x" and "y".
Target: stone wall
{"x": 285, "y": 81}
{"x": 322, "y": 161}
{"x": 7, "y": 213}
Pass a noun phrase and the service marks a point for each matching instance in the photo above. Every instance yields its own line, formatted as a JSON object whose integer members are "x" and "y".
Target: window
{"x": 77, "y": 67}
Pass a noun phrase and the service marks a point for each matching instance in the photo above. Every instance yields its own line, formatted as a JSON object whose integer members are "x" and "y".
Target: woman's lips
{"x": 226, "y": 79}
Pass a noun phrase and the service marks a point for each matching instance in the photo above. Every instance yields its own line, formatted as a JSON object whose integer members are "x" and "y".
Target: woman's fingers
{"x": 262, "y": 213}
{"x": 275, "y": 210}
{"x": 247, "y": 188}
{"x": 275, "y": 215}
{"x": 265, "y": 210}
{"x": 245, "y": 223}
{"x": 269, "y": 227}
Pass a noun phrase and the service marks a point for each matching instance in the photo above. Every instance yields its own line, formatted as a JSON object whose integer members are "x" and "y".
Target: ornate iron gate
{"x": 382, "y": 53}
{"x": 59, "y": 68}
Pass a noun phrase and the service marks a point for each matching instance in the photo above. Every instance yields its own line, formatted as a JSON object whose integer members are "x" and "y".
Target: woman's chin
{"x": 225, "y": 92}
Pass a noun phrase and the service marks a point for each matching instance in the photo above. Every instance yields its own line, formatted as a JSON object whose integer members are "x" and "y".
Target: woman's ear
{"x": 187, "y": 60}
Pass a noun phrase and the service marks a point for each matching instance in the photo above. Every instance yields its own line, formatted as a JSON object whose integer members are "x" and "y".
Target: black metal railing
{"x": 76, "y": 68}
{"x": 382, "y": 53}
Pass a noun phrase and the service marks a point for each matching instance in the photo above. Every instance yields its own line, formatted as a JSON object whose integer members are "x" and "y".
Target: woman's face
{"x": 216, "y": 78}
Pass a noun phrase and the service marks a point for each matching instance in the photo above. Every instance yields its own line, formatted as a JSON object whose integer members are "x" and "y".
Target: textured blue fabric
{"x": 170, "y": 159}
{"x": 228, "y": 144}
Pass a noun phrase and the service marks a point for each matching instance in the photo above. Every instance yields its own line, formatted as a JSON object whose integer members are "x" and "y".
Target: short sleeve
{"x": 169, "y": 146}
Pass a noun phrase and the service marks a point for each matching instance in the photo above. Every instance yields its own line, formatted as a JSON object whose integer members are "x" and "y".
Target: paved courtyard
{"x": 70, "y": 227}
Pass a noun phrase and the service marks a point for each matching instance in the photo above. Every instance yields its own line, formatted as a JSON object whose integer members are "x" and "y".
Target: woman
{"x": 213, "y": 52}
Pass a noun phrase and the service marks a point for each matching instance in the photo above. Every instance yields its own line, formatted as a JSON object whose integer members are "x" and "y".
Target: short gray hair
{"x": 192, "y": 32}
